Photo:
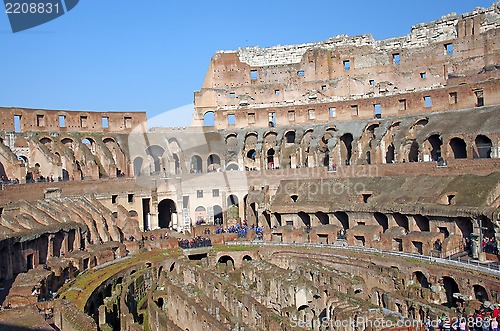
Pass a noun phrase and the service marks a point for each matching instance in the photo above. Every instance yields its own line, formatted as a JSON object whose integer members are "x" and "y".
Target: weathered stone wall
{"x": 66, "y": 121}
{"x": 449, "y": 60}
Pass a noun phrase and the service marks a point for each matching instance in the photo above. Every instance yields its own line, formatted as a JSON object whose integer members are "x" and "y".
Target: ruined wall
{"x": 67, "y": 121}
{"x": 452, "y": 60}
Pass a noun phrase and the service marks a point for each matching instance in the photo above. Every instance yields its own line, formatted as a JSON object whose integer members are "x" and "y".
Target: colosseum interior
{"x": 348, "y": 184}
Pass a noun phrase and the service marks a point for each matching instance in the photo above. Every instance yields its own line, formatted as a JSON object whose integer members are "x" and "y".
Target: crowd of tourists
{"x": 241, "y": 230}
{"x": 490, "y": 245}
{"x": 485, "y": 319}
{"x": 195, "y": 242}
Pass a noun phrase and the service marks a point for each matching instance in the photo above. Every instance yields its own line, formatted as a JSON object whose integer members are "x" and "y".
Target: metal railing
{"x": 491, "y": 268}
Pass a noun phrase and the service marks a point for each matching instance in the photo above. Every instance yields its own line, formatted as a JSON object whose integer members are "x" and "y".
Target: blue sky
{"x": 151, "y": 55}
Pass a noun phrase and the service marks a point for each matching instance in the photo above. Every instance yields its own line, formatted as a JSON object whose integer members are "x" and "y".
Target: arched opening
{"x": 459, "y": 148}
{"x": 156, "y": 152}
{"x": 436, "y": 144}
{"x": 252, "y": 154}
{"x": 421, "y": 279}
{"x": 413, "y": 154}
{"x": 322, "y": 217}
{"x": 232, "y": 167}
{"x": 225, "y": 263}
{"x": 43, "y": 249}
{"x": 196, "y": 164}
{"x": 218, "y": 215}
{"x": 389, "y": 155}
{"x": 290, "y": 137}
{"x": 465, "y": 225}
{"x": 382, "y": 220}
{"x": 172, "y": 266}
{"x": 232, "y": 200}
{"x": 213, "y": 163}
{"x": 209, "y": 118}
{"x": 133, "y": 215}
{"x": 480, "y": 293}
{"x": 305, "y": 218}
{"x": 422, "y": 222}
{"x": 247, "y": 258}
{"x": 159, "y": 303}
{"x": 270, "y": 158}
{"x": 343, "y": 219}
{"x": 71, "y": 240}
{"x": 401, "y": 220}
{"x": 167, "y": 213}
{"x": 177, "y": 164}
{"x": 483, "y": 147}
{"x": 57, "y": 244}
{"x": 138, "y": 166}
{"x": 346, "y": 147}
{"x": 451, "y": 287}
{"x": 200, "y": 215}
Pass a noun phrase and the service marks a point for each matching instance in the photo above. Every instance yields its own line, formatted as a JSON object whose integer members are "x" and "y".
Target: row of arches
{"x": 168, "y": 214}
{"x": 308, "y": 151}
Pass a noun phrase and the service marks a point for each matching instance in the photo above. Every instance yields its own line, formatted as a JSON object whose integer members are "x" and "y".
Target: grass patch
{"x": 81, "y": 288}
{"x": 233, "y": 248}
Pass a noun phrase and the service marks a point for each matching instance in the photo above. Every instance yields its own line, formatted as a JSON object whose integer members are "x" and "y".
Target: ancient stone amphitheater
{"x": 366, "y": 171}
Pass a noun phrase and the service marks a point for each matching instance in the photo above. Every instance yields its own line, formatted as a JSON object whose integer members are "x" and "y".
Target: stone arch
{"x": 482, "y": 147}
{"x": 270, "y": 158}
{"x": 414, "y": 152}
{"x": 46, "y": 141}
{"x": 167, "y": 213}
{"x": 209, "y": 118}
{"x": 390, "y": 154}
{"x": 247, "y": 258}
{"x": 232, "y": 200}
{"x": 451, "y": 287}
{"x": 465, "y": 225}
{"x": 218, "y": 215}
{"x": 177, "y": 164}
{"x": 458, "y": 148}
{"x": 346, "y": 147}
{"x": 290, "y": 137}
{"x": 200, "y": 214}
{"x": 419, "y": 277}
{"x": 480, "y": 293}
{"x": 401, "y": 220}
{"x": 435, "y": 143}
{"x": 420, "y": 123}
{"x": 43, "y": 249}
{"x": 213, "y": 163}
{"x": 226, "y": 262}
{"x": 196, "y": 164}
{"x": 343, "y": 218}
{"x": 382, "y": 220}
{"x": 231, "y": 146}
{"x": 156, "y": 152}
{"x": 322, "y": 217}
{"x": 305, "y": 218}
{"x": 232, "y": 167}
{"x": 133, "y": 214}
{"x": 422, "y": 222}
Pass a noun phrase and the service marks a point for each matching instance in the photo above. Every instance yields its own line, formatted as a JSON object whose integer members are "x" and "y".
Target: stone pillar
{"x": 50, "y": 246}
{"x": 102, "y": 315}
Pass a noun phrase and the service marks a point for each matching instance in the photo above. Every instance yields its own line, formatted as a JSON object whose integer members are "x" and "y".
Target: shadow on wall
{"x": 6, "y": 327}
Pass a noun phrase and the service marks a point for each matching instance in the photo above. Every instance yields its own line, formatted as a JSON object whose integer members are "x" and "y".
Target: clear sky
{"x": 151, "y": 55}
